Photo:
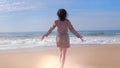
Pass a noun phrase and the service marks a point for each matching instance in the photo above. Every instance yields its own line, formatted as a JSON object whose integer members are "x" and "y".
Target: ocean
{"x": 29, "y": 40}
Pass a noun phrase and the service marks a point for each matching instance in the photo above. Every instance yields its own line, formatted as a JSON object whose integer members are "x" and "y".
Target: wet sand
{"x": 86, "y": 56}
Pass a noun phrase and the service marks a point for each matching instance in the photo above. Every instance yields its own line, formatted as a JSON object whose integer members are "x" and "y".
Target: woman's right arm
{"x": 71, "y": 28}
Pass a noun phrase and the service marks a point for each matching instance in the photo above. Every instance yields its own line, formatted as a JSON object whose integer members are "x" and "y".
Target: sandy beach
{"x": 86, "y": 56}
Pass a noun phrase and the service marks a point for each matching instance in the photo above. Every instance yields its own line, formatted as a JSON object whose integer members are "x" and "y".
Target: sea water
{"x": 29, "y": 40}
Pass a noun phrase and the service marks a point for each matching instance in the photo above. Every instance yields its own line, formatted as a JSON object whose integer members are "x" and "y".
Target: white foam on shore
{"x": 32, "y": 43}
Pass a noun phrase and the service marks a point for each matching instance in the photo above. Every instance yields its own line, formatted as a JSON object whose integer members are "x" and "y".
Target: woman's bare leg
{"x": 64, "y": 50}
{"x": 60, "y": 54}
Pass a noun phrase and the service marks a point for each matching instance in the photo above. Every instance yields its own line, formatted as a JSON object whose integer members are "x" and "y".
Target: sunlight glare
{"x": 49, "y": 61}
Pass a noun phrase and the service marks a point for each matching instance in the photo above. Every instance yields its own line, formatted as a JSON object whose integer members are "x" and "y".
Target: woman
{"x": 62, "y": 37}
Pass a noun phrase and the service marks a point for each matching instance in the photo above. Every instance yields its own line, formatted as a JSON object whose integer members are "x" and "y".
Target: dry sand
{"x": 91, "y": 56}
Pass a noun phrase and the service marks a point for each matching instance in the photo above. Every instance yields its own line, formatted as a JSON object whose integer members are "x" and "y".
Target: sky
{"x": 39, "y": 15}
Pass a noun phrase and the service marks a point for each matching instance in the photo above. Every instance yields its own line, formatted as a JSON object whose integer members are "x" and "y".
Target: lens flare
{"x": 48, "y": 61}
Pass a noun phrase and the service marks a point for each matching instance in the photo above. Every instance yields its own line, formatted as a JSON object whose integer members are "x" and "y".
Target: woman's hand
{"x": 81, "y": 38}
{"x": 42, "y": 37}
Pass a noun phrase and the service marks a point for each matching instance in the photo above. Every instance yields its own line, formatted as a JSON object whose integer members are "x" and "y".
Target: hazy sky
{"x": 38, "y": 15}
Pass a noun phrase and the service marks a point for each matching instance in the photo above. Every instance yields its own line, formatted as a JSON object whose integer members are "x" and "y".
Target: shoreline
{"x": 86, "y": 56}
{"x": 44, "y": 48}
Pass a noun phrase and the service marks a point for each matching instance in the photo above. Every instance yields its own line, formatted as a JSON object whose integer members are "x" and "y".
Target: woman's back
{"x": 62, "y": 38}
{"x": 62, "y": 27}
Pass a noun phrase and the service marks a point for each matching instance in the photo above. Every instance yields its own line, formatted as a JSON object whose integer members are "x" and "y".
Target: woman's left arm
{"x": 49, "y": 31}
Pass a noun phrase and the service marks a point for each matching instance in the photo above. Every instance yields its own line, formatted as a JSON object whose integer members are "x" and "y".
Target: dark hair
{"x": 62, "y": 14}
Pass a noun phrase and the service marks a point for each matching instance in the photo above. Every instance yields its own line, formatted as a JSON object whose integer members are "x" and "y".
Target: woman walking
{"x": 62, "y": 37}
